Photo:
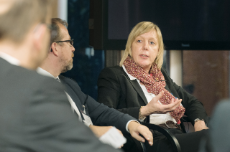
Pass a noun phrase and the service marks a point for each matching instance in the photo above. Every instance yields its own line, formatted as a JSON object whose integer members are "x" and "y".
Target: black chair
{"x": 172, "y": 139}
{"x": 186, "y": 127}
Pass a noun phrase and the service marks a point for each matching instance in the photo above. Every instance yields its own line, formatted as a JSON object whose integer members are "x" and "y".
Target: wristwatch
{"x": 197, "y": 119}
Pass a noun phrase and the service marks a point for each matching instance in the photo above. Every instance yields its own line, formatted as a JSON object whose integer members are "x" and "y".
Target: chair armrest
{"x": 172, "y": 139}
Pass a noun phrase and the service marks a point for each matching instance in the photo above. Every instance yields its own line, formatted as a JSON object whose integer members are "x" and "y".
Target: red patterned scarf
{"x": 154, "y": 84}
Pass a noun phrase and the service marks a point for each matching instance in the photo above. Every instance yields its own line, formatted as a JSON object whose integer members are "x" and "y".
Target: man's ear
{"x": 54, "y": 48}
{"x": 38, "y": 36}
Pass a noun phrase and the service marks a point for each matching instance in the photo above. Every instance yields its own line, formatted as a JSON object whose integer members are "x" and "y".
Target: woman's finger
{"x": 159, "y": 96}
{"x": 177, "y": 104}
{"x": 172, "y": 106}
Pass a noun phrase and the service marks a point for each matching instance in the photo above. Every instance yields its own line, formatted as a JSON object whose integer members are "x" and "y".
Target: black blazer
{"x": 35, "y": 115}
{"x": 100, "y": 114}
{"x": 116, "y": 90}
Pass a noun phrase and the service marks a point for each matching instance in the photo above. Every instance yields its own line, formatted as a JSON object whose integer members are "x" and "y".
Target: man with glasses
{"x": 34, "y": 110}
{"x": 98, "y": 117}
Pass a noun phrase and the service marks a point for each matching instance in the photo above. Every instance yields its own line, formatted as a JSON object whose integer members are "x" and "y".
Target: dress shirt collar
{"x": 130, "y": 76}
{"x": 9, "y": 58}
{"x": 46, "y": 73}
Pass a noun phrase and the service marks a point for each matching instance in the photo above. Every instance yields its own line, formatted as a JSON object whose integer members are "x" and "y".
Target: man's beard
{"x": 67, "y": 67}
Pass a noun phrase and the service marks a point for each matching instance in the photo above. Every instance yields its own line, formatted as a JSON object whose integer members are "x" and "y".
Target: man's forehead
{"x": 64, "y": 31}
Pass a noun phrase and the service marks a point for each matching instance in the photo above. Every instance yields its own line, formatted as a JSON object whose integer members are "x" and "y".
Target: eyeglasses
{"x": 70, "y": 41}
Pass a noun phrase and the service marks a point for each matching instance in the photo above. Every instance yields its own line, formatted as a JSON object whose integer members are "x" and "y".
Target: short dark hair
{"x": 20, "y": 16}
{"x": 56, "y": 34}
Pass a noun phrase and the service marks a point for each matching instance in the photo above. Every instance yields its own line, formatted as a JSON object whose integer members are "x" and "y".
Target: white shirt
{"x": 154, "y": 118}
{"x": 9, "y": 58}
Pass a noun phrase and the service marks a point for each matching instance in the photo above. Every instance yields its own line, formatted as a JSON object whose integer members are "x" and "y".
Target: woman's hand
{"x": 155, "y": 107}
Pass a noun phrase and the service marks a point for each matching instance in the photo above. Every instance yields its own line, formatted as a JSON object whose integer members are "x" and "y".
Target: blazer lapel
{"x": 166, "y": 87}
{"x": 137, "y": 87}
{"x": 73, "y": 95}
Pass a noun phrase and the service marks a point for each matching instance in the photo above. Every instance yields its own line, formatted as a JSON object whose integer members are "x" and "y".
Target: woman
{"x": 141, "y": 88}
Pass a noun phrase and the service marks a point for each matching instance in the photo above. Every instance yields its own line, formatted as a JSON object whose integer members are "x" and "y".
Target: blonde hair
{"x": 139, "y": 29}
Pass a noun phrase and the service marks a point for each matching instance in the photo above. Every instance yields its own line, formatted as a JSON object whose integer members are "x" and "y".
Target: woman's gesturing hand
{"x": 155, "y": 107}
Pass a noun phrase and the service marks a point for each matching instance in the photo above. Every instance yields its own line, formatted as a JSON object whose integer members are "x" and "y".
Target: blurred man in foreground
{"x": 34, "y": 110}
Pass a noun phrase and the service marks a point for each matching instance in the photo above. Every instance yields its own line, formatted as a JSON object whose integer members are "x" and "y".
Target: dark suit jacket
{"x": 35, "y": 115}
{"x": 100, "y": 114}
{"x": 116, "y": 90}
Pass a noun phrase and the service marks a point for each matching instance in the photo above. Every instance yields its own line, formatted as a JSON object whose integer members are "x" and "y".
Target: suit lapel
{"x": 73, "y": 95}
{"x": 137, "y": 87}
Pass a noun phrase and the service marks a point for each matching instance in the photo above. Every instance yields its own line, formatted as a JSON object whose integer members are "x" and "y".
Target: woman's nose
{"x": 146, "y": 45}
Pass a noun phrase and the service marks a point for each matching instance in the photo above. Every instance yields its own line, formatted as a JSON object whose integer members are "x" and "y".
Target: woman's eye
{"x": 151, "y": 42}
{"x": 139, "y": 41}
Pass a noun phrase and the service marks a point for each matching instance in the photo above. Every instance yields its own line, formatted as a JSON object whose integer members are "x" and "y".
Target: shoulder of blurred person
{"x": 28, "y": 102}
{"x": 217, "y": 140}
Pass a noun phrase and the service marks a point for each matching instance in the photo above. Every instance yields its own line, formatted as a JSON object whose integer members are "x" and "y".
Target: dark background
{"x": 180, "y": 20}
{"x": 87, "y": 62}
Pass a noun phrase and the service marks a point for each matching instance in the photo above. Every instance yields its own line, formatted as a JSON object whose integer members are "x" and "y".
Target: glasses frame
{"x": 70, "y": 41}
